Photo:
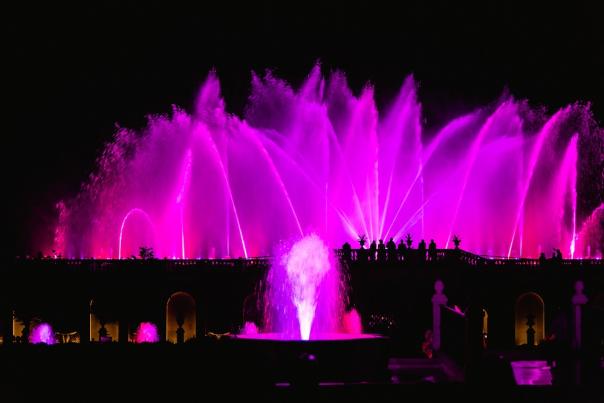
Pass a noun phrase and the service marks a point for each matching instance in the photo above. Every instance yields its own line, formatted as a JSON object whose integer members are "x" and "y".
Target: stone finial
{"x": 579, "y": 298}
{"x": 439, "y": 286}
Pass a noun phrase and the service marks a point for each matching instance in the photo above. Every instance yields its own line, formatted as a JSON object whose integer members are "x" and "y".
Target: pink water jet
{"x": 352, "y": 323}
{"x": 42, "y": 333}
{"x": 146, "y": 333}
{"x": 249, "y": 329}
{"x": 320, "y": 159}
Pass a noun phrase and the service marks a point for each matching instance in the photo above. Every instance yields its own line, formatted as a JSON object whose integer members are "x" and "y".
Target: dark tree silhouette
{"x": 146, "y": 253}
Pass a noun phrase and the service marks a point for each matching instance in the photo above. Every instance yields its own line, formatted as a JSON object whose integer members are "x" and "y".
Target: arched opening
{"x": 18, "y": 329}
{"x": 530, "y": 319}
{"x": 181, "y": 321}
{"x": 103, "y": 328}
{"x": 31, "y": 328}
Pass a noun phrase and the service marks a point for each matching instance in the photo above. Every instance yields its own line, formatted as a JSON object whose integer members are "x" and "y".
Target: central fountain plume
{"x": 506, "y": 178}
{"x": 305, "y": 294}
{"x": 306, "y": 264}
{"x": 307, "y": 334}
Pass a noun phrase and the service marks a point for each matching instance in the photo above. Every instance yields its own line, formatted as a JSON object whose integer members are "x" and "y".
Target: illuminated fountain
{"x": 42, "y": 334}
{"x": 307, "y": 335}
{"x": 505, "y": 178}
{"x": 146, "y": 333}
{"x": 306, "y": 297}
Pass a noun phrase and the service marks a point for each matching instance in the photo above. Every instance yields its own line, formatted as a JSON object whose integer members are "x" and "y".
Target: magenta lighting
{"x": 320, "y": 159}
{"x": 146, "y": 333}
{"x": 42, "y": 333}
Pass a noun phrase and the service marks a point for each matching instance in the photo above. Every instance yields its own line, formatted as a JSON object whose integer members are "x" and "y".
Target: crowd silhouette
{"x": 378, "y": 251}
{"x": 393, "y": 252}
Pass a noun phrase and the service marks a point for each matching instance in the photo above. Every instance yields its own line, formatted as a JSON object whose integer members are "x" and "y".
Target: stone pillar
{"x": 438, "y": 299}
{"x": 579, "y": 299}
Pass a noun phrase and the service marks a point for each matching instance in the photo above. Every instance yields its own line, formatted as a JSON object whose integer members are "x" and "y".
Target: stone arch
{"x": 103, "y": 328}
{"x": 529, "y": 307}
{"x": 181, "y": 317}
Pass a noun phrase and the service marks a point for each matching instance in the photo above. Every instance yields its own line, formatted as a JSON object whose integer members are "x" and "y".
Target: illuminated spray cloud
{"x": 208, "y": 184}
{"x": 146, "y": 333}
{"x": 42, "y": 334}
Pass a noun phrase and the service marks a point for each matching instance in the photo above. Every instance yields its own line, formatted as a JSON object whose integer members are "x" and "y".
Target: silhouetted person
{"x": 381, "y": 251}
{"x": 346, "y": 251}
{"x": 391, "y": 247}
{"x": 432, "y": 251}
{"x": 180, "y": 335}
{"x": 421, "y": 250}
{"x": 530, "y": 332}
{"x": 557, "y": 255}
{"x": 402, "y": 250}
{"x": 372, "y": 250}
{"x": 542, "y": 259}
{"x": 103, "y": 333}
{"x": 409, "y": 241}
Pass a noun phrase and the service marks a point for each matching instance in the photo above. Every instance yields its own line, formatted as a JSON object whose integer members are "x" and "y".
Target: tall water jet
{"x": 307, "y": 336}
{"x": 321, "y": 159}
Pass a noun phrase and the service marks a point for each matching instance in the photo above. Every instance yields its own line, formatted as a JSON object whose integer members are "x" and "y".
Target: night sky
{"x": 72, "y": 73}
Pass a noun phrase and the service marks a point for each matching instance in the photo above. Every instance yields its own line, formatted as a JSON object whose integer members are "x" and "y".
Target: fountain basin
{"x": 327, "y": 358}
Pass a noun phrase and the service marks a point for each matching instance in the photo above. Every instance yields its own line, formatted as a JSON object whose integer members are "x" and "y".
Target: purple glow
{"x": 317, "y": 337}
{"x": 42, "y": 333}
{"x": 351, "y": 322}
{"x": 146, "y": 333}
{"x": 323, "y": 160}
{"x": 249, "y": 328}
{"x": 532, "y": 373}
{"x": 591, "y": 235}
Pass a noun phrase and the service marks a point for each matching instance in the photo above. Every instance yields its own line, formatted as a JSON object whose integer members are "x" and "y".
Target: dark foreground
{"x": 226, "y": 370}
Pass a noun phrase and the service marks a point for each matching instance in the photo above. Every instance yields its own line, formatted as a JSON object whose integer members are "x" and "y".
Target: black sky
{"x": 72, "y": 72}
